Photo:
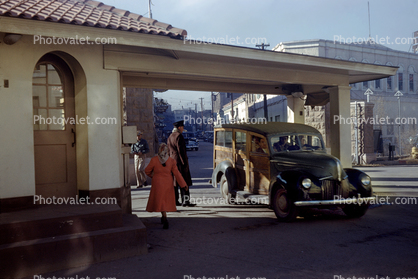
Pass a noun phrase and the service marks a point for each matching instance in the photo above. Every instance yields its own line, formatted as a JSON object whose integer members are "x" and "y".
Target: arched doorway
{"x": 54, "y": 128}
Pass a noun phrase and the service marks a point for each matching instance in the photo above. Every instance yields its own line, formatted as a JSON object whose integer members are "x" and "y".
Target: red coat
{"x": 161, "y": 197}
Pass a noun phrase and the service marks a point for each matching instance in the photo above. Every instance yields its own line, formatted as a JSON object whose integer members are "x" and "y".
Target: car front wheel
{"x": 283, "y": 206}
{"x": 226, "y": 195}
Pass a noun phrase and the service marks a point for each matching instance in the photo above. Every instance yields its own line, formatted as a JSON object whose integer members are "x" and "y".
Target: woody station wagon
{"x": 285, "y": 164}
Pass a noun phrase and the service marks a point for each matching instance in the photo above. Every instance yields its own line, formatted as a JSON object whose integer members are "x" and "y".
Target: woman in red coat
{"x": 161, "y": 169}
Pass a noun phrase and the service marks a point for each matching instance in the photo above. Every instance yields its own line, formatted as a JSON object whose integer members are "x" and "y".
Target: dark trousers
{"x": 183, "y": 194}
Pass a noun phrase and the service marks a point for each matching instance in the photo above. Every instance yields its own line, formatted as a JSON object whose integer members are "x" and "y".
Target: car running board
{"x": 252, "y": 198}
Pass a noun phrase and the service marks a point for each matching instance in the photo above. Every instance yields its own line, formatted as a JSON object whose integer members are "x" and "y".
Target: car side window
{"x": 240, "y": 140}
{"x": 309, "y": 142}
{"x": 228, "y": 139}
{"x": 285, "y": 143}
{"x": 259, "y": 145}
{"x": 224, "y": 138}
{"x": 220, "y": 138}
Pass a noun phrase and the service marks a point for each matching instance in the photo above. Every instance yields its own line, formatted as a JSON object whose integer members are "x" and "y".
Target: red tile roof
{"x": 88, "y": 13}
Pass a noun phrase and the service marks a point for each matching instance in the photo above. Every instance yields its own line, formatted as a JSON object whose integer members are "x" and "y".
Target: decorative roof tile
{"x": 89, "y": 13}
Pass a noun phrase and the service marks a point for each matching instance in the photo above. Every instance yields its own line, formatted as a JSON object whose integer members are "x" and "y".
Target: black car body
{"x": 285, "y": 164}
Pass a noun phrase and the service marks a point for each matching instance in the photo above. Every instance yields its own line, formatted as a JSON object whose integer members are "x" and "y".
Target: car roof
{"x": 273, "y": 128}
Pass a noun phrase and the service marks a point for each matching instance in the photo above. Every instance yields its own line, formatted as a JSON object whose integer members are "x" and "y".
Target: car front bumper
{"x": 342, "y": 201}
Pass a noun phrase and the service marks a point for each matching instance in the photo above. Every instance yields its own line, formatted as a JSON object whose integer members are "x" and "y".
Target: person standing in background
{"x": 177, "y": 147}
{"x": 139, "y": 149}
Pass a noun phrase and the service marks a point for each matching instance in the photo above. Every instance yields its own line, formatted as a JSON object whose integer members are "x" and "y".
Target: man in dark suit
{"x": 177, "y": 147}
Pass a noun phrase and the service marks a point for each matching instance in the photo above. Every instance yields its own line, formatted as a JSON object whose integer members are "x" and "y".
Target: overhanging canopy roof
{"x": 234, "y": 69}
{"x": 168, "y": 62}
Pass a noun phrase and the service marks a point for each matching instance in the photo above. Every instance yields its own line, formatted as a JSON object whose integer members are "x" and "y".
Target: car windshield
{"x": 282, "y": 143}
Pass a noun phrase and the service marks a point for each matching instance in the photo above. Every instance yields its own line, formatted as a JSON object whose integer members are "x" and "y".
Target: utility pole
{"x": 262, "y": 46}
{"x": 211, "y": 111}
{"x": 399, "y": 95}
{"x": 201, "y": 108}
{"x": 195, "y": 116}
{"x": 149, "y": 8}
{"x": 232, "y": 106}
{"x": 370, "y": 33}
{"x": 266, "y": 114}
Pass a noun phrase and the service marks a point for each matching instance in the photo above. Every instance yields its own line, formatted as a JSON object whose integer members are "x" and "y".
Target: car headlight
{"x": 306, "y": 183}
{"x": 365, "y": 180}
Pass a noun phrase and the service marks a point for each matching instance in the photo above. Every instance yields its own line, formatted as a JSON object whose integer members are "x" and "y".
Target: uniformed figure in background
{"x": 177, "y": 147}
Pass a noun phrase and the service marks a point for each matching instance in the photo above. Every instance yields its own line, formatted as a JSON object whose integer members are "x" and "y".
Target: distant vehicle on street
{"x": 208, "y": 136}
{"x": 286, "y": 165}
{"x": 191, "y": 144}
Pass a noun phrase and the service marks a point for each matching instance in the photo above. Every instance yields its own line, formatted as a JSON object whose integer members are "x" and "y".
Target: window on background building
{"x": 389, "y": 83}
{"x": 365, "y": 84}
{"x": 400, "y": 81}
{"x": 277, "y": 118}
{"x": 390, "y": 128}
{"x": 411, "y": 82}
{"x": 377, "y": 84}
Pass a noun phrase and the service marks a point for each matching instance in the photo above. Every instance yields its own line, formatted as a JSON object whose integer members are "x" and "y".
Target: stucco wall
{"x": 98, "y": 97}
{"x": 139, "y": 112}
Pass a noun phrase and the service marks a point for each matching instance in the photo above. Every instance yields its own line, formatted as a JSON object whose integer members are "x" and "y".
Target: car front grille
{"x": 331, "y": 188}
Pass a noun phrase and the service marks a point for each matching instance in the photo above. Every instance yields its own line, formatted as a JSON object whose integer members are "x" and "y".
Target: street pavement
{"x": 216, "y": 240}
{"x": 394, "y": 180}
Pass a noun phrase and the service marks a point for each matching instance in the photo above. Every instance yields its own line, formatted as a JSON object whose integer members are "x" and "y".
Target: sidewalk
{"x": 406, "y": 161}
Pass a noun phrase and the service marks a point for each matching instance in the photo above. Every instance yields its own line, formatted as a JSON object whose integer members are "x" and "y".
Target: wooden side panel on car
{"x": 259, "y": 173}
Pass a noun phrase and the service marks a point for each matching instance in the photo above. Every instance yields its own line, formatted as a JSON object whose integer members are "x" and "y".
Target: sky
{"x": 248, "y": 22}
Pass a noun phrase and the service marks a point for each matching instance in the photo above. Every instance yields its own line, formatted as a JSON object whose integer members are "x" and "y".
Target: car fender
{"x": 355, "y": 186}
{"x": 225, "y": 167}
{"x": 289, "y": 180}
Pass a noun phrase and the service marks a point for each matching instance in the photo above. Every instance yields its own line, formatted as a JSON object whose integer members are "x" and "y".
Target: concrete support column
{"x": 295, "y": 110}
{"x": 340, "y": 131}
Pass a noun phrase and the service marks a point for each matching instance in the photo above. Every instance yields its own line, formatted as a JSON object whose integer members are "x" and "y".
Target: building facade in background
{"x": 385, "y": 104}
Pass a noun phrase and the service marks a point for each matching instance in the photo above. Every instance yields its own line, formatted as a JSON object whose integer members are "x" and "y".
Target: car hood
{"x": 319, "y": 164}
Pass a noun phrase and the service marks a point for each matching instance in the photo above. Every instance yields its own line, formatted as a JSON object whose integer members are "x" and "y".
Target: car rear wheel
{"x": 283, "y": 206}
{"x": 226, "y": 195}
{"x": 355, "y": 211}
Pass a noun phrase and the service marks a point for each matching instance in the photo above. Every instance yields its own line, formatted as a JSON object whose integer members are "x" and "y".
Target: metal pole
{"x": 356, "y": 133}
{"x": 211, "y": 110}
{"x": 399, "y": 95}
{"x": 232, "y": 106}
{"x": 399, "y": 126}
{"x": 201, "y": 108}
{"x": 266, "y": 114}
{"x": 149, "y": 9}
